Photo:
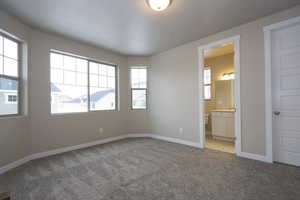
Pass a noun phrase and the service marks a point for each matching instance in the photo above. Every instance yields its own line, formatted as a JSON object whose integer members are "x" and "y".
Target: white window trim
{"x": 20, "y": 92}
{"x": 132, "y": 89}
{"x": 208, "y": 68}
{"x": 88, "y": 85}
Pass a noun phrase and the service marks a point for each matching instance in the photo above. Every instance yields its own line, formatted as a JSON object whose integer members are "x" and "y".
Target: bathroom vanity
{"x": 223, "y": 124}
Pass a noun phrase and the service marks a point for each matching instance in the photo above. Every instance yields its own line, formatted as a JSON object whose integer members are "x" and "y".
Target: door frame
{"x": 268, "y": 82}
{"x": 236, "y": 41}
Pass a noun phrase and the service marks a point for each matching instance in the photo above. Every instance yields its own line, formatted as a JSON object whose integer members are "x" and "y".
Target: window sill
{"x": 139, "y": 109}
{"x": 80, "y": 113}
{"x": 7, "y": 117}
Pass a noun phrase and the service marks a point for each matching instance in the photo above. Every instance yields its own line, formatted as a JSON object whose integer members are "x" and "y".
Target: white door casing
{"x": 285, "y": 72}
{"x": 237, "y": 124}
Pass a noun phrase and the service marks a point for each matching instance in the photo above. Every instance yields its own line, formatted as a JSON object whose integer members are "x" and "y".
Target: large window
{"x": 139, "y": 89}
{"x": 207, "y": 83}
{"x": 9, "y": 76}
{"x": 81, "y": 85}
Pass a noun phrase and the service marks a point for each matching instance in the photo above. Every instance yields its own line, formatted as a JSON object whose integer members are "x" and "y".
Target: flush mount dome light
{"x": 159, "y": 5}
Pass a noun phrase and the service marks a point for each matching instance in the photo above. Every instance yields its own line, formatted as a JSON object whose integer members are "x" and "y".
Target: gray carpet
{"x": 147, "y": 169}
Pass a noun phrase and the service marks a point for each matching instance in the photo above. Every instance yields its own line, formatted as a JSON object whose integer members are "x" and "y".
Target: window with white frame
{"x": 102, "y": 86}
{"x": 81, "y": 85}
{"x": 207, "y": 83}
{"x": 139, "y": 90}
{"x": 9, "y": 76}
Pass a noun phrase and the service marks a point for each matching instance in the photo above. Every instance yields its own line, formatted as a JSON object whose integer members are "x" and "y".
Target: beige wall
{"x": 174, "y": 85}
{"x": 41, "y": 131}
{"x": 14, "y": 132}
{"x": 173, "y": 93}
{"x": 56, "y": 131}
{"x": 219, "y": 65}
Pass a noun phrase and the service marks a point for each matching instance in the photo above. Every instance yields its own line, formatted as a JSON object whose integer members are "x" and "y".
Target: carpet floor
{"x": 148, "y": 169}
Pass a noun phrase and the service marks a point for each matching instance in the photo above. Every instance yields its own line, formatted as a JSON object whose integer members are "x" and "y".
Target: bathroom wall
{"x": 219, "y": 65}
{"x": 225, "y": 94}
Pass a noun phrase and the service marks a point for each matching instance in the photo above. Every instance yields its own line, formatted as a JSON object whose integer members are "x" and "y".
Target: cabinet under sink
{"x": 223, "y": 124}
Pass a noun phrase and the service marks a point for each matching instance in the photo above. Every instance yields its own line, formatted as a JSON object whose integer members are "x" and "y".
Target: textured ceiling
{"x": 130, "y": 27}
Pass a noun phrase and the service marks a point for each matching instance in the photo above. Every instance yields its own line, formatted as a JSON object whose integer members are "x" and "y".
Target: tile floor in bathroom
{"x": 219, "y": 145}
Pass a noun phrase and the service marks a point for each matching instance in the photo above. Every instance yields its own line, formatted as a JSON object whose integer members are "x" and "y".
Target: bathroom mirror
{"x": 225, "y": 94}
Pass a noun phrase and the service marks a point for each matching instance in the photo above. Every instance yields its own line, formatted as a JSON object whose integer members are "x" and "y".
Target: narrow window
{"x": 139, "y": 89}
{"x": 9, "y": 76}
{"x": 207, "y": 83}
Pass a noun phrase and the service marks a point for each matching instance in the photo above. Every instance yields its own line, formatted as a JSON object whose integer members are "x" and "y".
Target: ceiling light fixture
{"x": 159, "y": 5}
{"x": 228, "y": 76}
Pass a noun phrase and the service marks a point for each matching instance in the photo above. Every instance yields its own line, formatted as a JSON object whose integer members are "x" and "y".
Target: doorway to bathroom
{"x": 219, "y": 77}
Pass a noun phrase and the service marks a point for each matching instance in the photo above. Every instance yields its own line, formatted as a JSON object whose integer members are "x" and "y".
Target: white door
{"x": 286, "y": 94}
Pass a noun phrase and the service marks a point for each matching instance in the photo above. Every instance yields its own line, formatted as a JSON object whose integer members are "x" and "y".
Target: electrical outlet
{"x": 180, "y": 130}
{"x": 101, "y": 130}
{"x": 4, "y": 196}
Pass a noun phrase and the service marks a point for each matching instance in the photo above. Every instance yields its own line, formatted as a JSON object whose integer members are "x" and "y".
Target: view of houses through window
{"x": 9, "y": 76}
{"x": 102, "y": 87}
{"x": 81, "y": 85}
{"x": 138, "y": 87}
{"x": 77, "y": 84}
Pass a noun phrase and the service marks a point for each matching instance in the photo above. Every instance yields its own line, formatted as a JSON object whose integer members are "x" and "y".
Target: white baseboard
{"x": 76, "y": 147}
{"x": 178, "y": 141}
{"x": 254, "y": 157}
{"x": 15, "y": 164}
{"x": 140, "y": 135}
{"x": 168, "y": 139}
{"x": 22, "y": 161}
{"x": 98, "y": 142}
{"x": 35, "y": 156}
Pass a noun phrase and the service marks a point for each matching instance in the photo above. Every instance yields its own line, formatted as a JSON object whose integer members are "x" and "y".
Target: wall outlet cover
{"x": 4, "y": 196}
{"x": 180, "y": 130}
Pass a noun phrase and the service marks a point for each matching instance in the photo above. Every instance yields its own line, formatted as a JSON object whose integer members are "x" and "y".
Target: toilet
{"x": 206, "y": 118}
